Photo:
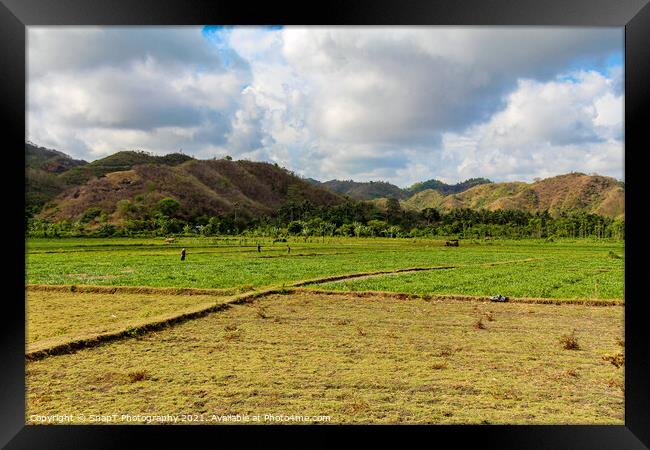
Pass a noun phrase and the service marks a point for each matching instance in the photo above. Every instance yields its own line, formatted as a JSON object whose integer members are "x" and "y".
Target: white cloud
{"x": 568, "y": 124}
{"x": 401, "y": 104}
{"x": 92, "y": 92}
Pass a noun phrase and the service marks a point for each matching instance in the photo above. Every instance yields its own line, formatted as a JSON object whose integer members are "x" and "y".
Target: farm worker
{"x": 288, "y": 249}
{"x": 183, "y": 254}
{"x": 259, "y": 249}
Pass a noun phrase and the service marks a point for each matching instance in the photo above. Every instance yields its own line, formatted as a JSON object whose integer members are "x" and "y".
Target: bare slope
{"x": 201, "y": 187}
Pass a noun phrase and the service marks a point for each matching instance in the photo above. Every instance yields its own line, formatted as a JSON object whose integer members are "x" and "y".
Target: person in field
{"x": 288, "y": 249}
{"x": 259, "y": 248}
{"x": 183, "y": 254}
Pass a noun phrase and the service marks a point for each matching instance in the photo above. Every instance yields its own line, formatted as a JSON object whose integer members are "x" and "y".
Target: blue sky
{"x": 400, "y": 104}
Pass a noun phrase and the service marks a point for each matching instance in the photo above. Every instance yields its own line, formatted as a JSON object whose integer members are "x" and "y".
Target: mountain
{"x": 380, "y": 189}
{"x": 42, "y": 169}
{"x": 48, "y": 160}
{"x": 59, "y": 187}
{"x": 445, "y": 188}
{"x": 212, "y": 187}
{"x": 364, "y": 190}
{"x": 124, "y": 160}
{"x": 571, "y": 192}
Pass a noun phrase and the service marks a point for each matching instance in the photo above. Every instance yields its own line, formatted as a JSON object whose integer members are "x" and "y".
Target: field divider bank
{"x": 98, "y": 289}
{"x": 456, "y": 297}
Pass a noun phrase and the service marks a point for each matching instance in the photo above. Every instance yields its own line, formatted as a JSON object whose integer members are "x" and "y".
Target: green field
{"x": 352, "y": 355}
{"x": 597, "y": 278}
{"x": 579, "y": 269}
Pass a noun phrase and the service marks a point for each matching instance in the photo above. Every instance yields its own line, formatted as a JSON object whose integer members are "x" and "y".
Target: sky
{"x": 396, "y": 104}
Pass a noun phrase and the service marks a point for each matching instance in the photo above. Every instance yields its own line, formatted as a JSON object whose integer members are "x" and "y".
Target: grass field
{"x": 354, "y": 357}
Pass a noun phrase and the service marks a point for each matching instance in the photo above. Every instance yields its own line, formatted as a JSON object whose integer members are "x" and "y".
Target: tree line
{"x": 352, "y": 218}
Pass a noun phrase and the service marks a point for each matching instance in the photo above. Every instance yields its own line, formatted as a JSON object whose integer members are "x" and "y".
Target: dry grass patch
{"x": 408, "y": 368}
{"x": 439, "y": 365}
{"x": 616, "y": 384}
{"x": 261, "y": 312}
{"x": 572, "y": 373}
{"x": 60, "y": 317}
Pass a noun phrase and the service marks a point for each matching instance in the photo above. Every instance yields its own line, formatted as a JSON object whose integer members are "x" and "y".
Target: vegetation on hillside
{"x": 43, "y": 167}
{"x": 301, "y": 217}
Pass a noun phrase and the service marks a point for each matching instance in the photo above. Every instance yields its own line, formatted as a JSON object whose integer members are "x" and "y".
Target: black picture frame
{"x": 15, "y": 15}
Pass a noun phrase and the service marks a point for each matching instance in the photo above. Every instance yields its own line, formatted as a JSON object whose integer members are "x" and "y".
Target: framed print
{"x": 367, "y": 213}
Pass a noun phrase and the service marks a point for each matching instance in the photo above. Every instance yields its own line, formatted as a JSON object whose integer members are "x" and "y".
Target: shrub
{"x": 295, "y": 227}
{"x": 617, "y": 359}
{"x": 168, "y": 206}
{"x": 106, "y": 230}
{"x": 138, "y": 375}
{"x": 90, "y": 214}
{"x": 570, "y": 341}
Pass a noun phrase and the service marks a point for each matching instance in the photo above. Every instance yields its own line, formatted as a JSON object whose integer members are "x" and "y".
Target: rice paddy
{"x": 387, "y": 343}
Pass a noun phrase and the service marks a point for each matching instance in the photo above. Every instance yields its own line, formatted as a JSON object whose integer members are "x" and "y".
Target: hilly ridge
{"x": 61, "y": 188}
{"x": 213, "y": 188}
{"x": 371, "y": 190}
{"x": 563, "y": 193}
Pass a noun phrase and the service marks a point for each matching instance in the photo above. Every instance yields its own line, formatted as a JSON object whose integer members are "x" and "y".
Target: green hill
{"x": 48, "y": 160}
